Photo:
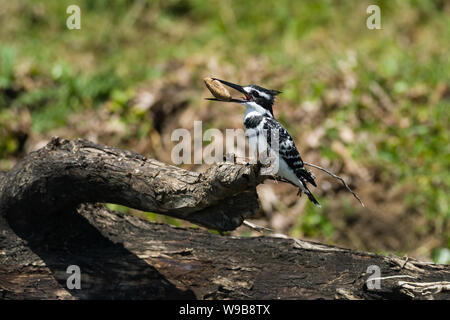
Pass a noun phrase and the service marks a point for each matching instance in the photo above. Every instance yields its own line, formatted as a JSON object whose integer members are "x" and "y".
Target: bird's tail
{"x": 310, "y": 196}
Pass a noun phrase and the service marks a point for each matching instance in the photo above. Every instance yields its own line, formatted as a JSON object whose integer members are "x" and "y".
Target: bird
{"x": 259, "y": 118}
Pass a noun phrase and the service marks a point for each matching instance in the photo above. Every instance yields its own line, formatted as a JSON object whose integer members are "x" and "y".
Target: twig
{"x": 256, "y": 227}
{"x": 406, "y": 261}
{"x": 392, "y": 277}
{"x": 337, "y": 177}
{"x": 277, "y": 178}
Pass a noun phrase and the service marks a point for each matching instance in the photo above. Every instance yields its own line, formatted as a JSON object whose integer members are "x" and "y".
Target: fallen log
{"x": 51, "y": 218}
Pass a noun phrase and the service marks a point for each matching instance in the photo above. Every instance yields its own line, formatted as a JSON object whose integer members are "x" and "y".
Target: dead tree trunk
{"x": 49, "y": 220}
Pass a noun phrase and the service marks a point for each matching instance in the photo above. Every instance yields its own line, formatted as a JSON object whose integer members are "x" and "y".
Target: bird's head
{"x": 254, "y": 96}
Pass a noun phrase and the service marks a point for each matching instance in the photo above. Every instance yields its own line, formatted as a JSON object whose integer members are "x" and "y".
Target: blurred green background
{"x": 370, "y": 105}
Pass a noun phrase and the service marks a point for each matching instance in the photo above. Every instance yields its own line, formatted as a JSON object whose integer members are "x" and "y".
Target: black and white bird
{"x": 259, "y": 118}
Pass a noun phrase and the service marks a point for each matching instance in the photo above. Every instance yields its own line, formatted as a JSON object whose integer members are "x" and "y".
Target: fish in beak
{"x": 234, "y": 86}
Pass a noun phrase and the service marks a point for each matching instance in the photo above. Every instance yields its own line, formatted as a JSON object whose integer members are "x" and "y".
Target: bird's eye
{"x": 255, "y": 94}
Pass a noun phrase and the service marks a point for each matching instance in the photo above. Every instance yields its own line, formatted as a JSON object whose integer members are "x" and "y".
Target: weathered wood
{"x": 43, "y": 230}
{"x": 66, "y": 173}
{"x": 123, "y": 257}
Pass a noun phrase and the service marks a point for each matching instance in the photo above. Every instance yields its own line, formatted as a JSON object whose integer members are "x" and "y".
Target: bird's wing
{"x": 287, "y": 149}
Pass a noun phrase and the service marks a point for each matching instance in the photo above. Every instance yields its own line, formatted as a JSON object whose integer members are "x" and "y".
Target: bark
{"x": 50, "y": 219}
{"x": 64, "y": 174}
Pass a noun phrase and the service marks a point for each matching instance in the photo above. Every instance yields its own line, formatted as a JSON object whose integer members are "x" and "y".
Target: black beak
{"x": 235, "y": 87}
{"x": 232, "y": 85}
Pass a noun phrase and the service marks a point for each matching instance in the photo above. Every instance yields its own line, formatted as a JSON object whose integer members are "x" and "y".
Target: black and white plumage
{"x": 259, "y": 120}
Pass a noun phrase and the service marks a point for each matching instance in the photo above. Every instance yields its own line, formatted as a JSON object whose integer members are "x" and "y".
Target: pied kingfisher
{"x": 259, "y": 117}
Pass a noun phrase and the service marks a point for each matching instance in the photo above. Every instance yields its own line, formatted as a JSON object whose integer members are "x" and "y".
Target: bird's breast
{"x": 252, "y": 121}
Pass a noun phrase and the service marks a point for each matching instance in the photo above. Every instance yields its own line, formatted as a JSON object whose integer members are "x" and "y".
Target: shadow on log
{"x": 50, "y": 219}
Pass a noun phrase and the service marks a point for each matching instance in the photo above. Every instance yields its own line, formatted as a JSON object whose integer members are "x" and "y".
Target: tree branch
{"x": 124, "y": 257}
{"x": 336, "y": 177}
{"x": 66, "y": 173}
{"x": 44, "y": 229}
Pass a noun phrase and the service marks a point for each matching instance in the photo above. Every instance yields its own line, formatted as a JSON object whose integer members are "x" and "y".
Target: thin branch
{"x": 392, "y": 277}
{"x": 256, "y": 227}
{"x": 337, "y": 177}
{"x": 277, "y": 178}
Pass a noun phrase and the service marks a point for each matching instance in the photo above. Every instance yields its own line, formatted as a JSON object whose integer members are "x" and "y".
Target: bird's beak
{"x": 236, "y": 87}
